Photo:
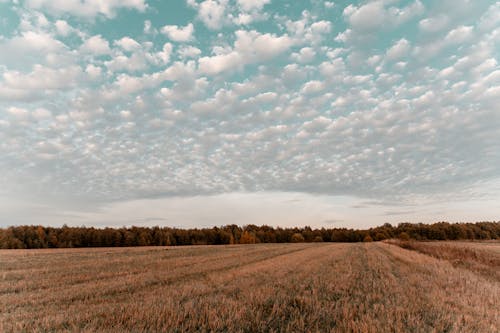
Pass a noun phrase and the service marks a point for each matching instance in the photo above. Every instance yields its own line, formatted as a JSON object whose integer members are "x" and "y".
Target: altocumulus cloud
{"x": 133, "y": 100}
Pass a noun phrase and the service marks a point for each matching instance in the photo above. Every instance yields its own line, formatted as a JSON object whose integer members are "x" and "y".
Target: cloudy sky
{"x": 200, "y": 113}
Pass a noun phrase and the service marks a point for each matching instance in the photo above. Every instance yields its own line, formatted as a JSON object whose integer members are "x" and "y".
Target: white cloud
{"x": 456, "y": 36}
{"x": 189, "y": 51}
{"x": 136, "y": 62}
{"x": 375, "y": 15}
{"x": 434, "y": 24}
{"x": 459, "y": 35}
{"x": 305, "y": 55}
{"x": 312, "y": 87}
{"x": 329, "y": 4}
{"x": 63, "y": 28}
{"x": 261, "y": 46}
{"x": 41, "y": 113}
{"x": 42, "y": 78}
{"x": 211, "y": 12}
{"x": 28, "y": 44}
{"x": 179, "y": 34}
{"x": 491, "y": 19}
{"x": 128, "y": 44}
{"x": 366, "y": 17}
{"x": 306, "y": 31}
{"x": 250, "y": 5}
{"x": 94, "y": 72}
{"x": 148, "y": 27}
{"x": 164, "y": 54}
{"x": 87, "y": 8}
{"x": 398, "y": 50}
{"x": 220, "y": 63}
{"x": 154, "y": 119}
{"x": 402, "y": 15}
{"x": 19, "y": 113}
{"x": 249, "y": 47}
{"x": 96, "y": 45}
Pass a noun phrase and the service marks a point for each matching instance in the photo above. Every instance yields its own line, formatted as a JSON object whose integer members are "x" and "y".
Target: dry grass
{"x": 481, "y": 257}
{"x": 374, "y": 287}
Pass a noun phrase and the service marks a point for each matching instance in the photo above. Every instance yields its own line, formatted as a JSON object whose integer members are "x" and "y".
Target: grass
{"x": 314, "y": 287}
{"x": 481, "y": 257}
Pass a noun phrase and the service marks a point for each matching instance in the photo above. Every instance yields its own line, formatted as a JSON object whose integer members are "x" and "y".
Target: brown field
{"x": 361, "y": 287}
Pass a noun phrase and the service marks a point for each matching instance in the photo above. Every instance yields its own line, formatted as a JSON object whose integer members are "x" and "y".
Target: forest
{"x": 35, "y": 237}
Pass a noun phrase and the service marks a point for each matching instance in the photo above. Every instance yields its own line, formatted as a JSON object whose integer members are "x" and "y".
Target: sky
{"x": 202, "y": 113}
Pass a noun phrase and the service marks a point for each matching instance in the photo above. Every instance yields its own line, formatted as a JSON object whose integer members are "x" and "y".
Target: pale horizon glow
{"x": 203, "y": 113}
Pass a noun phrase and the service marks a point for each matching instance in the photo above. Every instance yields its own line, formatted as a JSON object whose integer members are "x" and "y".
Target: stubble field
{"x": 360, "y": 287}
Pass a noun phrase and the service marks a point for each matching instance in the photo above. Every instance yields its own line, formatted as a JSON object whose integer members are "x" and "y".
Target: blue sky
{"x": 199, "y": 113}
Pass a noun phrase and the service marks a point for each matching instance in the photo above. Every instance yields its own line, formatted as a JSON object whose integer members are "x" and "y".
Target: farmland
{"x": 361, "y": 287}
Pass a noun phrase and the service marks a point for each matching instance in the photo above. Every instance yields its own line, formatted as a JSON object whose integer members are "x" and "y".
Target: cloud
{"x": 312, "y": 87}
{"x": 26, "y": 48}
{"x": 491, "y": 18}
{"x": 41, "y": 113}
{"x": 42, "y": 78}
{"x": 86, "y": 8}
{"x": 95, "y": 45}
{"x": 261, "y": 46}
{"x": 220, "y": 63}
{"x": 250, "y": 5}
{"x": 305, "y": 55}
{"x": 369, "y": 18}
{"x": 434, "y": 24}
{"x": 18, "y": 113}
{"x": 63, "y": 28}
{"x": 406, "y": 109}
{"x": 128, "y": 44}
{"x": 179, "y": 34}
{"x": 366, "y": 17}
{"x": 189, "y": 52}
{"x": 249, "y": 47}
{"x": 134, "y": 63}
{"x": 216, "y": 14}
{"x": 306, "y": 30}
{"x": 459, "y": 35}
{"x": 211, "y": 12}
{"x": 453, "y": 37}
{"x": 329, "y": 4}
{"x": 398, "y": 50}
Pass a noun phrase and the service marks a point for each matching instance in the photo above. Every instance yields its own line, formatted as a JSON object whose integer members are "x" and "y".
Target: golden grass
{"x": 480, "y": 257}
{"x": 373, "y": 287}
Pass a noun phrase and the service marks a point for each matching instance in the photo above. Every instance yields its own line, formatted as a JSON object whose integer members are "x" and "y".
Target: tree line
{"x": 35, "y": 237}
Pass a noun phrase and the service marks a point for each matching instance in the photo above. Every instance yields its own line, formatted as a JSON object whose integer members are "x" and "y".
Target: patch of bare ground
{"x": 372, "y": 287}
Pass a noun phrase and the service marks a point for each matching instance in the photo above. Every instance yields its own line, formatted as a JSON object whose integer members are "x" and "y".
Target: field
{"x": 359, "y": 287}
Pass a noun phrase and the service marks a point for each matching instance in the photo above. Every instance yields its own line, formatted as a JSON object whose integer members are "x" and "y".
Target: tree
{"x": 297, "y": 238}
{"x": 318, "y": 239}
{"x": 404, "y": 236}
{"x": 247, "y": 238}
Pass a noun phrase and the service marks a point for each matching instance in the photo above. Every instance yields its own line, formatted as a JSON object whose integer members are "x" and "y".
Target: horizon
{"x": 244, "y": 227}
{"x": 205, "y": 113}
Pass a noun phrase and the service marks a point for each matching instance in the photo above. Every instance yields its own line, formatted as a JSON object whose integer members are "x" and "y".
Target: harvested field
{"x": 481, "y": 257}
{"x": 360, "y": 287}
